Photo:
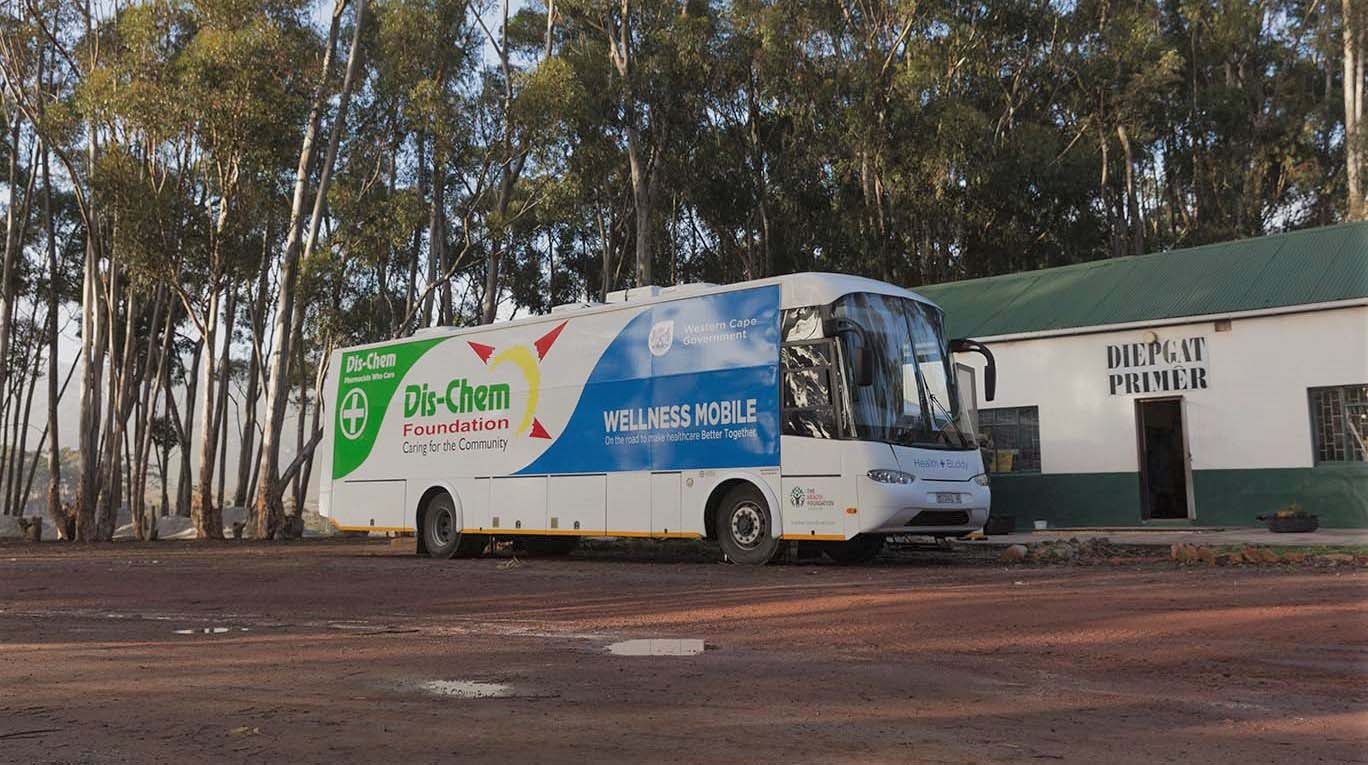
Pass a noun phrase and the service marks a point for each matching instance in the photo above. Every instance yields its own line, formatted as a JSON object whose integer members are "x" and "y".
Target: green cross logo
{"x": 355, "y": 411}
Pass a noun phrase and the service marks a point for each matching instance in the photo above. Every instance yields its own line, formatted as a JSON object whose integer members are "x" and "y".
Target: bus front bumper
{"x": 927, "y": 508}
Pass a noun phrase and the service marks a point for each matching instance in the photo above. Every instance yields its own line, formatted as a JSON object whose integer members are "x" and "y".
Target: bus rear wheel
{"x": 861, "y": 549}
{"x": 442, "y": 531}
{"x": 745, "y": 529}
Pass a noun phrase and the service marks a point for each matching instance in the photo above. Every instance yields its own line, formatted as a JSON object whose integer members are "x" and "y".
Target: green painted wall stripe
{"x": 1337, "y": 493}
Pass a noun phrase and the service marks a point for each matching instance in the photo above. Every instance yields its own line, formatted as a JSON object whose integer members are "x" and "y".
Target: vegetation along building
{"x": 1203, "y": 386}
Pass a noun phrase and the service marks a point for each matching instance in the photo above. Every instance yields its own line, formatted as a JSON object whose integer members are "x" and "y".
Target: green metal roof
{"x": 1311, "y": 266}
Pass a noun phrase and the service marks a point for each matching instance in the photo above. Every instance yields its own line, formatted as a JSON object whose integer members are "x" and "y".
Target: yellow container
{"x": 1002, "y": 462}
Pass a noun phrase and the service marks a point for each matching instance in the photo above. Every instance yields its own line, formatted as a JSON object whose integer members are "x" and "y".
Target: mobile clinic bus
{"x": 812, "y": 407}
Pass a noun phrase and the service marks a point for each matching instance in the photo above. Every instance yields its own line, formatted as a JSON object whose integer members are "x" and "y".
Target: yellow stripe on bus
{"x": 584, "y": 533}
{"x": 592, "y": 533}
{"x": 372, "y": 528}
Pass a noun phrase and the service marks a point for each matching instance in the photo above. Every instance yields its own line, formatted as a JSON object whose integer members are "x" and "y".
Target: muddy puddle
{"x": 466, "y": 689}
{"x": 658, "y": 647}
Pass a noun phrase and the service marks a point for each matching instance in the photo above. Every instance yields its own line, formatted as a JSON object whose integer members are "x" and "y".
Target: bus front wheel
{"x": 442, "y": 531}
{"x": 745, "y": 529}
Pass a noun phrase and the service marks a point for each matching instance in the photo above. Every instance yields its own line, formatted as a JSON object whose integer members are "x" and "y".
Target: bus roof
{"x": 796, "y": 291}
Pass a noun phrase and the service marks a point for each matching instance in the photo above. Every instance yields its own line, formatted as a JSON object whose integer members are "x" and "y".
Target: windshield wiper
{"x": 949, "y": 420}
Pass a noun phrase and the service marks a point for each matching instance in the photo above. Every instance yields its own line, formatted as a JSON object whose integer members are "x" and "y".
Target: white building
{"x": 1203, "y": 387}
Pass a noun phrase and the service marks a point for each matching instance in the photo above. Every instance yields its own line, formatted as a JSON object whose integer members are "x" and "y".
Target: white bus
{"x": 820, "y": 408}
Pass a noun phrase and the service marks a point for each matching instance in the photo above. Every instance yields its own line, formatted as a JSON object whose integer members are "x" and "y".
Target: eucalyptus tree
{"x": 1351, "y": 22}
{"x": 224, "y": 192}
{"x": 520, "y": 104}
{"x": 1245, "y": 119}
{"x": 646, "y": 56}
{"x": 242, "y": 118}
{"x": 415, "y": 128}
{"x": 299, "y": 241}
{"x": 64, "y": 37}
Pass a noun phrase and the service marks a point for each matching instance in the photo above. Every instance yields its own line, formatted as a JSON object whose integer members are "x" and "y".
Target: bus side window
{"x": 808, "y": 409}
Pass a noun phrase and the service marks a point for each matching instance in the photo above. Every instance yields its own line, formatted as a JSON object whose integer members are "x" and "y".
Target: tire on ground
{"x": 442, "y": 531}
{"x": 745, "y": 528}
{"x": 861, "y": 549}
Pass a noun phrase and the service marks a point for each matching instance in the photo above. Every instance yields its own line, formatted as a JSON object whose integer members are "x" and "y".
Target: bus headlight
{"x": 891, "y": 476}
{"x": 981, "y": 479}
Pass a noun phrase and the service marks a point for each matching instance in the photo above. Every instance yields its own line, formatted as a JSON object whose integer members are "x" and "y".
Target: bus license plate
{"x": 947, "y": 498}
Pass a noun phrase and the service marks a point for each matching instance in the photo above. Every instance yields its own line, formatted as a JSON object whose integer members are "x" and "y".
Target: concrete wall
{"x": 1249, "y": 430}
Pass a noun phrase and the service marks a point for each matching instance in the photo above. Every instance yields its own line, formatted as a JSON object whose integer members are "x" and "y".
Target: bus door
{"x": 967, "y": 382}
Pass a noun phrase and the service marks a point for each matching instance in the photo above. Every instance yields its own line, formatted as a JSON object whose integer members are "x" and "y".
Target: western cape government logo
{"x": 355, "y": 410}
{"x": 662, "y": 338}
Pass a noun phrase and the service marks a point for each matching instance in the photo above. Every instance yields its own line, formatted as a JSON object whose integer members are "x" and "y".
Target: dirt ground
{"x": 330, "y": 648}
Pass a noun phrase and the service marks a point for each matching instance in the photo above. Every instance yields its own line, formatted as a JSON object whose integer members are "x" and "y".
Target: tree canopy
{"x": 212, "y": 194}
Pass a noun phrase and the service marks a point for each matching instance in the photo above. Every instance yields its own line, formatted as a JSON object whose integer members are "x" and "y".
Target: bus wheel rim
{"x": 747, "y": 525}
{"x": 442, "y": 528}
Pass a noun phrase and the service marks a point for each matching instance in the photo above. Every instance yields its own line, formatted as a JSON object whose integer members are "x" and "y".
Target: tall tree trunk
{"x": 163, "y": 465}
{"x": 269, "y": 510}
{"x": 147, "y": 407}
{"x": 761, "y": 179}
{"x": 437, "y": 236}
{"x": 12, "y": 225}
{"x": 221, "y": 427}
{"x": 185, "y": 485}
{"x": 11, "y": 392}
{"x": 206, "y": 515}
{"x": 621, "y": 55}
{"x": 1353, "y": 109}
{"x": 249, "y": 404}
{"x": 306, "y": 473}
{"x": 1137, "y": 224}
{"x": 411, "y": 292}
{"x": 641, "y": 198}
{"x": 17, "y": 497}
{"x": 92, "y": 346}
{"x": 605, "y": 240}
{"x": 54, "y": 489}
{"x": 300, "y": 419}
{"x": 122, "y": 385}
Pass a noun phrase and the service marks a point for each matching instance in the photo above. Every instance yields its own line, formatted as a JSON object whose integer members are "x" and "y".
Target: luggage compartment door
{"x": 379, "y": 505}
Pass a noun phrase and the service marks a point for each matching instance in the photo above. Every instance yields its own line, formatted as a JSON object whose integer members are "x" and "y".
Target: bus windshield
{"x": 912, "y": 400}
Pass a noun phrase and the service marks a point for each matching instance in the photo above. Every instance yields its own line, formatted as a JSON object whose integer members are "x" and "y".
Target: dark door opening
{"x": 1163, "y": 459}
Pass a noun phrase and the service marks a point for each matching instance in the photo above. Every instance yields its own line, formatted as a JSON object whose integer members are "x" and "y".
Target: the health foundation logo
{"x": 529, "y": 364}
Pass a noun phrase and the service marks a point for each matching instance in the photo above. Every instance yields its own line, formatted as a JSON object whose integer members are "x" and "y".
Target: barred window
{"x": 1013, "y": 439}
{"x": 1339, "y": 423}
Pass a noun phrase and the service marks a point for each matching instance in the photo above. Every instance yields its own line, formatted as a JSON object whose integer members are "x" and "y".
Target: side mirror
{"x": 964, "y": 345}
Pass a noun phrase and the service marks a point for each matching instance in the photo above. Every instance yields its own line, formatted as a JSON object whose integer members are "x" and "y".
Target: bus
{"x": 816, "y": 408}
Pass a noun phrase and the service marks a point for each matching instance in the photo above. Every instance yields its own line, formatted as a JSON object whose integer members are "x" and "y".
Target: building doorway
{"x": 1164, "y": 468}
